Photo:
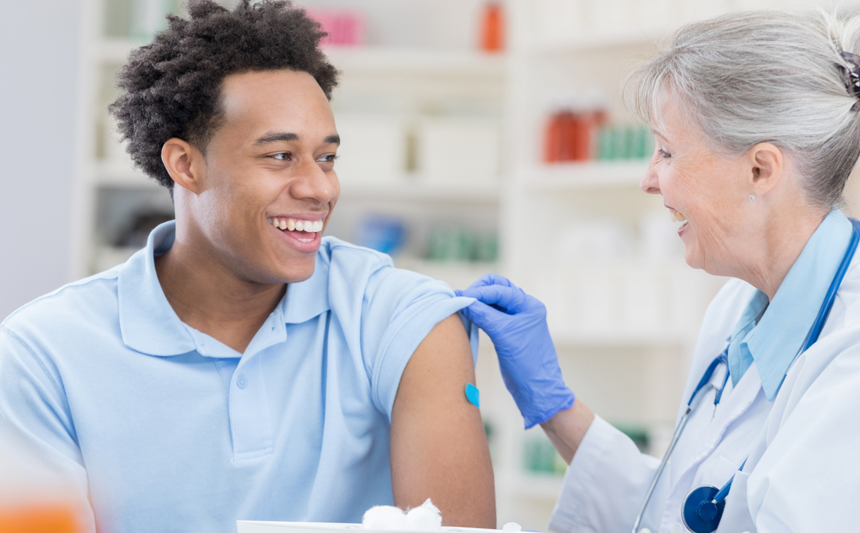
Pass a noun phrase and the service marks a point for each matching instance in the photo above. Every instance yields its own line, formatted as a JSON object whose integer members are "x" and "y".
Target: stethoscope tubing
{"x": 681, "y": 424}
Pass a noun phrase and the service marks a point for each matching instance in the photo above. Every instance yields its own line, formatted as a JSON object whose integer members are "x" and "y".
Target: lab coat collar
{"x": 149, "y": 324}
{"x": 773, "y": 344}
{"x": 735, "y": 403}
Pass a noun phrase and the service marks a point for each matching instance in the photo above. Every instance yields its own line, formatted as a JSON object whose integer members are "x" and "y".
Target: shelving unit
{"x": 624, "y": 316}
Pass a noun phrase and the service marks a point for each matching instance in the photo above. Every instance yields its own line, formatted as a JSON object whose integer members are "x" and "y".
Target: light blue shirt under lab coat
{"x": 167, "y": 429}
{"x": 773, "y": 340}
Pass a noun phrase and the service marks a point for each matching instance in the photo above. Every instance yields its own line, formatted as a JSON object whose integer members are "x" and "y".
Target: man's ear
{"x": 185, "y": 164}
{"x": 768, "y": 167}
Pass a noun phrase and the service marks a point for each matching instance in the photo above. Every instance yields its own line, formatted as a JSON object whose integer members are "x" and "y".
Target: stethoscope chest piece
{"x": 701, "y": 513}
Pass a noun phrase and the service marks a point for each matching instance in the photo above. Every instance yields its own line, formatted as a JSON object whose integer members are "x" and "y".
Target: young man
{"x": 241, "y": 367}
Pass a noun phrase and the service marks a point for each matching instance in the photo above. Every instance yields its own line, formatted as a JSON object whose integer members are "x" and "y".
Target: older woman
{"x": 757, "y": 127}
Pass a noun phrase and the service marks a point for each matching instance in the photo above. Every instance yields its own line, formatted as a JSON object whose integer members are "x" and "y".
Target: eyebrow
{"x": 289, "y": 137}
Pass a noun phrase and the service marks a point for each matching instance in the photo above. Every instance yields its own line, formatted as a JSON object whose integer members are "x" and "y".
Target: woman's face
{"x": 705, "y": 192}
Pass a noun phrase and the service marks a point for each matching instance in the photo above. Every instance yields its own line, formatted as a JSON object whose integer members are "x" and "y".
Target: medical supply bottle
{"x": 572, "y": 130}
{"x": 560, "y": 136}
{"x": 492, "y": 38}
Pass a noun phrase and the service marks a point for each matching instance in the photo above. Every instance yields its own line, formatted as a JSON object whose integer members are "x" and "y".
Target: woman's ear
{"x": 185, "y": 164}
{"x": 768, "y": 168}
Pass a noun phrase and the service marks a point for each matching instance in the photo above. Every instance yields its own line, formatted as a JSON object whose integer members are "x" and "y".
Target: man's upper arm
{"x": 36, "y": 429}
{"x": 438, "y": 446}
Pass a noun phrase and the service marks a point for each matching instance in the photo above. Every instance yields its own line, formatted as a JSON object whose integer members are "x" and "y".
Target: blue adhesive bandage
{"x": 473, "y": 395}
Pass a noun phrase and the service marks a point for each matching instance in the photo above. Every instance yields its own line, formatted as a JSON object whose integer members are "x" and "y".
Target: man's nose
{"x": 313, "y": 183}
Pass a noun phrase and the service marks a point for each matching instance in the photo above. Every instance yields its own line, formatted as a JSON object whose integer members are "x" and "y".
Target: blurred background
{"x": 478, "y": 136}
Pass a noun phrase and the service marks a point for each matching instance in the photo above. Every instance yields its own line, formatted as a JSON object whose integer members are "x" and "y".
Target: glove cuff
{"x": 560, "y": 400}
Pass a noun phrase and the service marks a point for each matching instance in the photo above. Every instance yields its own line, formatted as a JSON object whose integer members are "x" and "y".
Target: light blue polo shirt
{"x": 168, "y": 429}
{"x": 772, "y": 333}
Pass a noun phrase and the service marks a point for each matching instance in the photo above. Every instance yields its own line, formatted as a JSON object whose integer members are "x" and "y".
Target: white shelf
{"x": 590, "y": 175}
{"x": 422, "y": 190}
{"x": 569, "y": 338}
{"x": 371, "y": 59}
{"x": 406, "y": 189}
{"x": 121, "y": 175}
{"x": 417, "y": 61}
{"x": 116, "y": 50}
{"x": 537, "y": 486}
{"x": 585, "y": 42}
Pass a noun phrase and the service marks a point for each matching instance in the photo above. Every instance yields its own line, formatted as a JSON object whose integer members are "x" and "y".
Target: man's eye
{"x": 330, "y": 158}
{"x": 283, "y": 156}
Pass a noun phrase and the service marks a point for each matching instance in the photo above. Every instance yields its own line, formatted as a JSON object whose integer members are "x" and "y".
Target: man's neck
{"x": 210, "y": 298}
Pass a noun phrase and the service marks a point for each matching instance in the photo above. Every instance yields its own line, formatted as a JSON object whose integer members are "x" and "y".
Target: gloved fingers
{"x": 491, "y": 279}
{"x": 482, "y": 315}
{"x": 508, "y": 299}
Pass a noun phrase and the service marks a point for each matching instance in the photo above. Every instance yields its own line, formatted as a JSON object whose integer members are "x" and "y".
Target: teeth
{"x": 678, "y": 217}
{"x": 291, "y": 224}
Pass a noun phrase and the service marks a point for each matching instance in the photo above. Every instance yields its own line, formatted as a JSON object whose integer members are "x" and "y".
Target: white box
{"x": 249, "y": 526}
{"x": 372, "y": 149}
{"x": 463, "y": 151}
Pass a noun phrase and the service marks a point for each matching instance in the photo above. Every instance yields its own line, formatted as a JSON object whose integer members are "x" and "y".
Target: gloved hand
{"x": 516, "y": 323}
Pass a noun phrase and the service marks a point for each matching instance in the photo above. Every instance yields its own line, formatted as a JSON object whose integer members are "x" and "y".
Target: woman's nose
{"x": 650, "y": 183}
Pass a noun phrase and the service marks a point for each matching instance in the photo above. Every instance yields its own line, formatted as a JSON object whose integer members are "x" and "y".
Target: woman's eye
{"x": 663, "y": 154}
{"x": 283, "y": 156}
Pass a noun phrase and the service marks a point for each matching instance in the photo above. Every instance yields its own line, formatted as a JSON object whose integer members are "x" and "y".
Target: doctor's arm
{"x": 438, "y": 446}
{"x": 608, "y": 476}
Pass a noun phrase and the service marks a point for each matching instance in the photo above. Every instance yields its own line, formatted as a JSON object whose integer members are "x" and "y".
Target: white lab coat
{"x": 803, "y": 470}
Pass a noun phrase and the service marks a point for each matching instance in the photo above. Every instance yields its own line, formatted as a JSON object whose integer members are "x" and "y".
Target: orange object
{"x": 493, "y": 28}
{"x": 561, "y": 137}
{"x": 41, "y": 519}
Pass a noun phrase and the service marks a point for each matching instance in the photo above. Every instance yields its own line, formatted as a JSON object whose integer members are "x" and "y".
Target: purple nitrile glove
{"x": 516, "y": 323}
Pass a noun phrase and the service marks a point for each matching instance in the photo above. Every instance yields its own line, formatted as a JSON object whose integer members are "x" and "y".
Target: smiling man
{"x": 241, "y": 366}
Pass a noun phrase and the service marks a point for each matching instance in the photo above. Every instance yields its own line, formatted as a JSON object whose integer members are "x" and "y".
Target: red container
{"x": 561, "y": 137}
{"x": 493, "y": 28}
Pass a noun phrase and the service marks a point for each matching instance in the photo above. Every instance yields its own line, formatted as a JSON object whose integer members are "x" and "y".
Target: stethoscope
{"x": 703, "y": 507}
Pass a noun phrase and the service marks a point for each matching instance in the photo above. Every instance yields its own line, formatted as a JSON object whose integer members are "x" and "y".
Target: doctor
{"x": 757, "y": 128}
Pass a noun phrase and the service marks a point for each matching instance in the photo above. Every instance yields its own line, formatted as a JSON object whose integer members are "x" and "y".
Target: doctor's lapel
{"x": 733, "y": 406}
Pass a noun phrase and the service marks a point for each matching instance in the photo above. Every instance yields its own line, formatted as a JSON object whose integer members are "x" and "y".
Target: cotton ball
{"x": 384, "y": 518}
{"x": 426, "y": 517}
{"x": 512, "y": 527}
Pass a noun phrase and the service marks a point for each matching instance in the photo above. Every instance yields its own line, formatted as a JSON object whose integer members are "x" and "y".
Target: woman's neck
{"x": 778, "y": 247}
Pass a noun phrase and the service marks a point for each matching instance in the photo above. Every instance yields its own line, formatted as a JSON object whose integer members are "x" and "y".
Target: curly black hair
{"x": 172, "y": 86}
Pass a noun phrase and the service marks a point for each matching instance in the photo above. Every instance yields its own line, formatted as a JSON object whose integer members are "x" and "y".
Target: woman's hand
{"x": 516, "y": 323}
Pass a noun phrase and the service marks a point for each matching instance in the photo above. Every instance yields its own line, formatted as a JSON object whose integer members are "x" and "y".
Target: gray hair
{"x": 764, "y": 76}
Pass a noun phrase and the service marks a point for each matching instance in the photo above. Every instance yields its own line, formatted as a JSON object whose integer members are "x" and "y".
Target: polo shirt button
{"x": 241, "y": 382}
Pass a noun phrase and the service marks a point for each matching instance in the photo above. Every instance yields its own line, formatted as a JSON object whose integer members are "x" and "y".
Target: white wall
{"x": 38, "y": 80}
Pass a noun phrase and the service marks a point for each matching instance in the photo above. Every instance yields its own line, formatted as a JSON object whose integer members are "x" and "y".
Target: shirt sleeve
{"x": 37, "y": 438}
{"x": 400, "y": 308}
{"x": 606, "y": 484}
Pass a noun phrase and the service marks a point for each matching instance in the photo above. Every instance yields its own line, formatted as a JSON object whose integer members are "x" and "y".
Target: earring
{"x": 752, "y": 198}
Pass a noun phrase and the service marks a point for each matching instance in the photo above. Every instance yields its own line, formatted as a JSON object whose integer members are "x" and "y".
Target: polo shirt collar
{"x": 147, "y": 321}
{"x": 306, "y": 299}
{"x": 774, "y": 341}
{"x": 149, "y": 324}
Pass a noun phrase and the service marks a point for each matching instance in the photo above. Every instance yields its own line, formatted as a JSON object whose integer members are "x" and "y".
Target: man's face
{"x": 270, "y": 165}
